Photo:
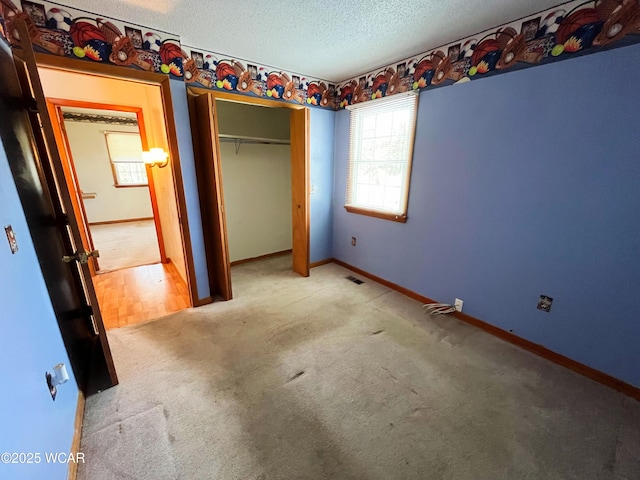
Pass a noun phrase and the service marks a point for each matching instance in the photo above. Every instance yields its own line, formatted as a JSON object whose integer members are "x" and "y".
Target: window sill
{"x": 141, "y": 185}
{"x": 377, "y": 214}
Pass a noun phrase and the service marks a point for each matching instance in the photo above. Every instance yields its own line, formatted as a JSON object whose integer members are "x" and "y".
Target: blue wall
{"x": 30, "y": 344}
{"x": 523, "y": 184}
{"x": 322, "y": 126}
{"x": 188, "y": 167}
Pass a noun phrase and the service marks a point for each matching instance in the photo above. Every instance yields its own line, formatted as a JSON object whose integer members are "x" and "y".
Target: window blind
{"x": 125, "y": 154}
{"x": 381, "y": 141}
{"x": 124, "y": 147}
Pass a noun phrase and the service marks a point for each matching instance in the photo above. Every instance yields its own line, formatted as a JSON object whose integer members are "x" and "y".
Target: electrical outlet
{"x": 458, "y": 305}
{"x": 353, "y": 241}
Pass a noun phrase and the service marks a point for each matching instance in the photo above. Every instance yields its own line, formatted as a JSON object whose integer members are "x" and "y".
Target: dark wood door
{"x": 37, "y": 170}
{"x": 210, "y": 171}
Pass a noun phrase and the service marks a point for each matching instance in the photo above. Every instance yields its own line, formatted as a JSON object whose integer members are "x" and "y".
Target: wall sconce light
{"x": 156, "y": 157}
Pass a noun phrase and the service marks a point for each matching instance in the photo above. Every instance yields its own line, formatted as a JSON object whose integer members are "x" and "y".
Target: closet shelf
{"x": 240, "y": 139}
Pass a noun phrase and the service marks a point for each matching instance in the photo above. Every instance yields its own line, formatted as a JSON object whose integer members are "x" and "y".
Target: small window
{"x": 380, "y": 151}
{"x": 125, "y": 153}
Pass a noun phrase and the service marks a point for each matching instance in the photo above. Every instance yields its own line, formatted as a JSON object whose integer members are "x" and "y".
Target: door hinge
{"x": 31, "y": 104}
{"x": 81, "y": 257}
{"x": 20, "y": 103}
{"x": 87, "y": 310}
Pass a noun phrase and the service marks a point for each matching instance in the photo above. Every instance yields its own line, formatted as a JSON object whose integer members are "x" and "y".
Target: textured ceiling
{"x": 329, "y": 39}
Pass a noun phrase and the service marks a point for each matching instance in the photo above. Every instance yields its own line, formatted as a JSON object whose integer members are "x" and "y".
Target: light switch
{"x": 11, "y": 238}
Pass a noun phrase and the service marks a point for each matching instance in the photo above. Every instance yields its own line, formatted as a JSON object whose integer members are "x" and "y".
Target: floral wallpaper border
{"x": 219, "y": 72}
{"x": 571, "y": 29}
{"x": 64, "y": 31}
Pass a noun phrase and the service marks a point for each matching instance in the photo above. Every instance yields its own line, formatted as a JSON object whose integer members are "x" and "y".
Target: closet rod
{"x": 239, "y": 140}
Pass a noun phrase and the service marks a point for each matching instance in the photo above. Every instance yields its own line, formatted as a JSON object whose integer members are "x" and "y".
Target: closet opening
{"x": 255, "y": 156}
{"x": 253, "y": 171}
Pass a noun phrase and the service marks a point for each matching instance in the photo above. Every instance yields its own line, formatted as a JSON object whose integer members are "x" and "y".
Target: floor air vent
{"x": 354, "y": 280}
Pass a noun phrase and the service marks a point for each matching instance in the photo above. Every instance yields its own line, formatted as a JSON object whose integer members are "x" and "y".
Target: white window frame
{"x": 114, "y": 160}
{"x": 386, "y": 206}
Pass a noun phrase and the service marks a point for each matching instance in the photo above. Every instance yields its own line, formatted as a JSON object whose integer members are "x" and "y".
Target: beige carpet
{"x": 320, "y": 378}
{"x": 124, "y": 441}
{"x": 127, "y": 244}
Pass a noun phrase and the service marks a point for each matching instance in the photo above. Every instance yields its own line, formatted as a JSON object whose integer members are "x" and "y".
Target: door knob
{"x": 81, "y": 257}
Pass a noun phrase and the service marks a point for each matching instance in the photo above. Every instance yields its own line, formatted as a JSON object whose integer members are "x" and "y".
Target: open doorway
{"x": 208, "y": 137}
{"x": 127, "y": 210}
{"x": 105, "y": 156}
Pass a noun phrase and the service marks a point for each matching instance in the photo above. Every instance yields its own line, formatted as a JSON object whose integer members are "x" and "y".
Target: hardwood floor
{"x": 135, "y": 295}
